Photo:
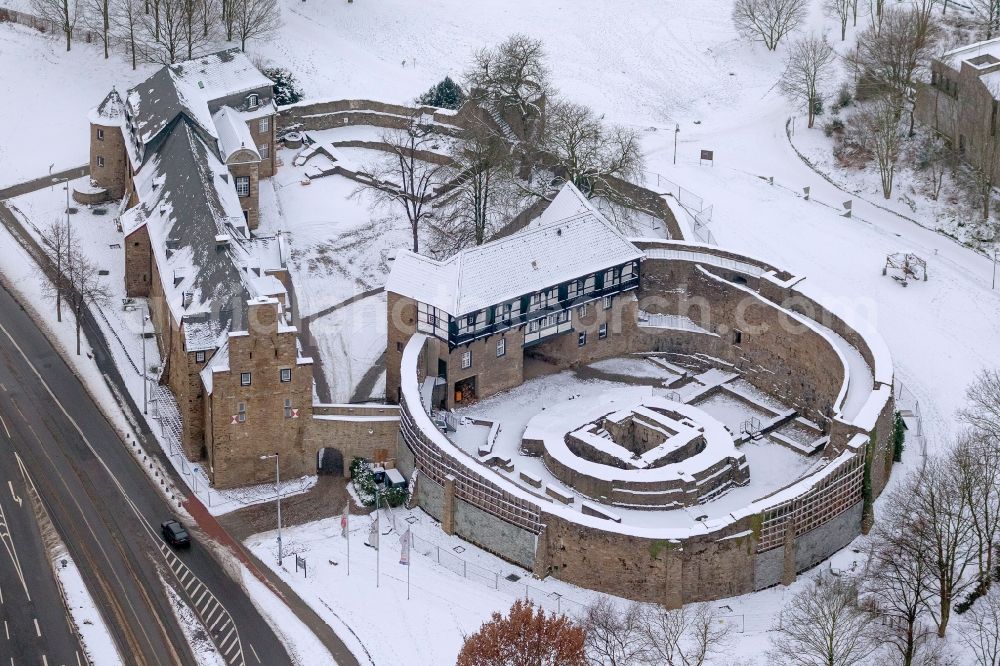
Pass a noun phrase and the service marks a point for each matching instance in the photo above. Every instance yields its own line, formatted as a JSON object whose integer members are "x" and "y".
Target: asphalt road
{"x": 35, "y": 628}
{"x": 105, "y": 507}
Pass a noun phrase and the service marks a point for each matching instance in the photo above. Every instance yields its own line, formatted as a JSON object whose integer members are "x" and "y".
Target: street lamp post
{"x": 995, "y": 252}
{"x": 277, "y": 485}
{"x": 145, "y": 395}
{"x": 677, "y": 130}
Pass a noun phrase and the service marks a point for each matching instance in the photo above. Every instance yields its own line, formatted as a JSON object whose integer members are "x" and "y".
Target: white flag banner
{"x": 345, "y": 519}
{"x": 373, "y": 535}
{"x": 404, "y": 547}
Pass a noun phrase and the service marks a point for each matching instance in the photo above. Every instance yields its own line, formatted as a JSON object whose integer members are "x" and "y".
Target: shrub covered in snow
{"x": 446, "y": 94}
{"x": 287, "y": 89}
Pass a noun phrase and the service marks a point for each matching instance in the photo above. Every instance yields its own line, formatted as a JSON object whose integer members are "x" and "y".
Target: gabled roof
{"x": 185, "y": 202}
{"x": 191, "y": 88}
{"x": 234, "y": 134}
{"x": 571, "y": 241}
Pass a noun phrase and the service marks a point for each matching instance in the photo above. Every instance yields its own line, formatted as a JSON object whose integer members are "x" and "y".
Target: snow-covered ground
{"x": 94, "y": 636}
{"x": 641, "y": 62}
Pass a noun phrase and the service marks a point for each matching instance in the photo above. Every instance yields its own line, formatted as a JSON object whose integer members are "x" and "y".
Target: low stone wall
{"x": 365, "y": 431}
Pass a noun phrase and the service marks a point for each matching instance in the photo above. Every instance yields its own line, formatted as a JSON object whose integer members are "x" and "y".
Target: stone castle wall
{"x": 766, "y": 543}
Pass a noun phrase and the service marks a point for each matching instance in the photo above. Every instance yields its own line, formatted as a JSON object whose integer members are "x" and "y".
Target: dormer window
{"x": 253, "y": 100}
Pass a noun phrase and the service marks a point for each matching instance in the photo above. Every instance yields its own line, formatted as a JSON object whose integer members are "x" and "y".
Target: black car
{"x": 175, "y": 534}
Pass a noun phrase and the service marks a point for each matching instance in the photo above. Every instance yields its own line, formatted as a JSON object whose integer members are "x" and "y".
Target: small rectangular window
{"x": 501, "y": 347}
{"x": 288, "y": 408}
{"x": 241, "y": 412}
{"x": 253, "y": 101}
{"x": 581, "y": 339}
{"x": 100, "y": 161}
{"x": 199, "y": 357}
{"x": 100, "y": 134}
{"x": 264, "y": 150}
{"x": 285, "y": 375}
{"x": 737, "y": 337}
{"x": 607, "y": 302}
{"x": 244, "y": 379}
{"x": 602, "y": 331}
{"x": 265, "y": 124}
{"x": 243, "y": 186}
{"x": 466, "y": 360}
{"x": 582, "y": 310}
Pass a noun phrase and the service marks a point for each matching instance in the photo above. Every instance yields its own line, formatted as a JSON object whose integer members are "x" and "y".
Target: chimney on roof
{"x": 186, "y": 298}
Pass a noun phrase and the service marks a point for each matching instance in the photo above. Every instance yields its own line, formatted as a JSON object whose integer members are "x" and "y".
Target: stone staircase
{"x": 165, "y": 410}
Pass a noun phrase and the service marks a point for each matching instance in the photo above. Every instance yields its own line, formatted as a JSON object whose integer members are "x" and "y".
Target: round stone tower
{"x": 108, "y": 159}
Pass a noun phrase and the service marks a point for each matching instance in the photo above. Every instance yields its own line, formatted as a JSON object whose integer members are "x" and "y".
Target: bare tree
{"x": 933, "y": 159}
{"x": 768, "y": 21}
{"x": 57, "y": 239}
{"x": 253, "y": 19}
{"x": 481, "y": 193}
{"x": 942, "y": 526}
{"x": 980, "y": 629}
{"x": 976, "y": 459}
{"x": 514, "y": 76}
{"x": 983, "y": 395}
{"x": 595, "y": 157}
{"x": 841, "y": 10}
{"x": 194, "y": 36}
{"x": 98, "y": 17}
{"x": 165, "y": 31}
{"x": 806, "y": 65}
{"x": 897, "y": 581}
{"x": 406, "y": 177}
{"x": 126, "y": 20}
{"x": 880, "y": 128}
{"x": 823, "y": 626}
{"x": 84, "y": 286}
{"x": 986, "y": 16}
{"x": 61, "y": 12}
{"x": 685, "y": 636}
{"x": 615, "y": 636}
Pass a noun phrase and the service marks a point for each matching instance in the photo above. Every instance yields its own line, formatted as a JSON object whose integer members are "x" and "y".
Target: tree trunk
{"x": 78, "y": 311}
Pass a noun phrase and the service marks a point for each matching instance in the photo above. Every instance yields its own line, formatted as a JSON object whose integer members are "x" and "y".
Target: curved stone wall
{"x": 770, "y": 539}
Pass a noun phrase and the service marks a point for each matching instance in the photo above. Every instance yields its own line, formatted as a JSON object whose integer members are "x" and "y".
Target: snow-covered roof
{"x": 186, "y": 201}
{"x": 969, "y": 53}
{"x": 195, "y": 89}
{"x": 110, "y": 112}
{"x": 572, "y": 241}
{"x": 234, "y": 134}
{"x": 220, "y": 74}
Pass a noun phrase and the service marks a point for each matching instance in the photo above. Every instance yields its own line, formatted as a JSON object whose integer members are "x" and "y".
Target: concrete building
{"x": 560, "y": 290}
{"x": 962, "y": 100}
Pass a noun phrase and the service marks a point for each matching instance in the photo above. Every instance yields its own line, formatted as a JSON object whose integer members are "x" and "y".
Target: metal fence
{"x": 909, "y": 408}
{"x": 45, "y": 25}
{"x": 684, "y": 197}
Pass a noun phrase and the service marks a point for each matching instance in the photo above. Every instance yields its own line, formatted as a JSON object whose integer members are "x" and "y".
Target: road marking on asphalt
{"x": 5, "y": 429}
{"x": 6, "y": 629}
{"x": 10, "y": 484}
{"x": 45, "y": 660}
{"x": 38, "y": 630}
{"x": 8, "y": 542}
{"x": 255, "y": 653}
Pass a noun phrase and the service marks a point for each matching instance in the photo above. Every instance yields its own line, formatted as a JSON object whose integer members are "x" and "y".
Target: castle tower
{"x": 108, "y": 159}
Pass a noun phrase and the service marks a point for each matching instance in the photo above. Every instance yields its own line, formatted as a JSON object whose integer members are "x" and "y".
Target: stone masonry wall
{"x": 263, "y": 351}
{"x": 112, "y": 176}
{"x": 363, "y": 431}
{"x": 138, "y": 263}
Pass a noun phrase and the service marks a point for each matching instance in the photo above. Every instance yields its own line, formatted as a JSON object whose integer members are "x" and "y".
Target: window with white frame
{"x": 199, "y": 357}
{"x": 602, "y": 331}
{"x": 264, "y": 149}
{"x": 100, "y": 134}
{"x": 285, "y": 374}
{"x": 466, "y": 360}
{"x": 100, "y": 161}
{"x": 288, "y": 408}
{"x": 241, "y": 412}
{"x": 501, "y": 347}
{"x": 581, "y": 339}
{"x": 607, "y": 302}
{"x": 265, "y": 124}
{"x": 582, "y": 310}
{"x": 243, "y": 186}
{"x": 533, "y": 326}
{"x": 244, "y": 379}
{"x": 253, "y": 100}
